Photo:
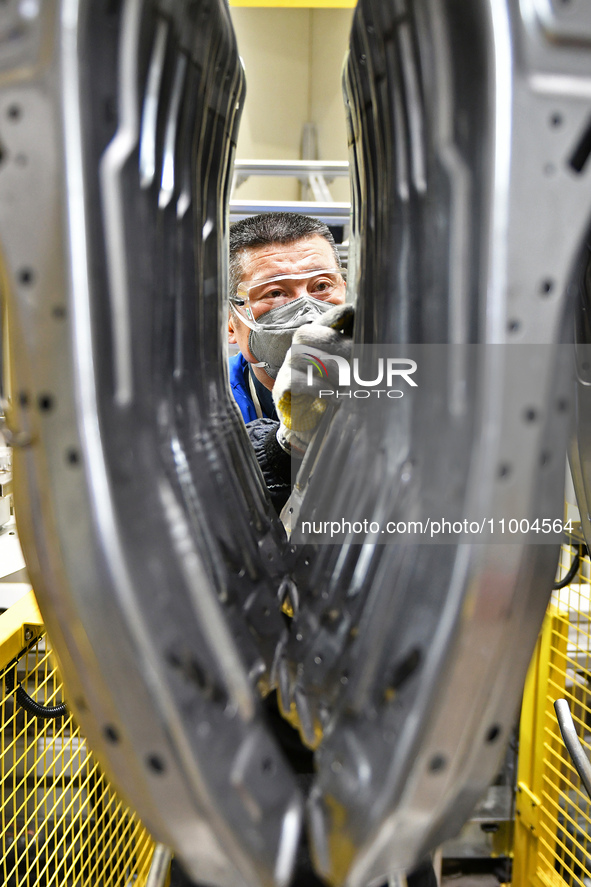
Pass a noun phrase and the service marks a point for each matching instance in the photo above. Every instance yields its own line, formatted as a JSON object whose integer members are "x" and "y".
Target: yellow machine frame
{"x": 553, "y": 812}
{"x": 61, "y": 823}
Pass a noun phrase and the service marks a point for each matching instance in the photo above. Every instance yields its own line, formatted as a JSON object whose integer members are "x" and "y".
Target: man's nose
{"x": 298, "y": 288}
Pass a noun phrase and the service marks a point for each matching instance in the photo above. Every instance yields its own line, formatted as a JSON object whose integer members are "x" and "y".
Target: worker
{"x": 285, "y": 273}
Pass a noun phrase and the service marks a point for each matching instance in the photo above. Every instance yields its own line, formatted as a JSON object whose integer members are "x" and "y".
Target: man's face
{"x": 262, "y": 262}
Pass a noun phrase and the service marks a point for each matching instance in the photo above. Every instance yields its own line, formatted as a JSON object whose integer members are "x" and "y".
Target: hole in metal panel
{"x": 45, "y": 402}
{"x": 437, "y": 763}
{"x": 404, "y": 669}
{"x": 111, "y": 733}
{"x": 156, "y": 764}
{"x": 493, "y": 733}
{"x": 580, "y": 155}
{"x": 73, "y": 456}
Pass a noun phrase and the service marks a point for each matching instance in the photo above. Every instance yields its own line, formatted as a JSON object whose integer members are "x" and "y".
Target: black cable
{"x": 570, "y": 575}
{"x": 45, "y": 712}
{"x": 573, "y": 569}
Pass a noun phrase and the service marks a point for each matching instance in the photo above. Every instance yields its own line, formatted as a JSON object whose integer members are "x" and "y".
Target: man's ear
{"x": 231, "y": 331}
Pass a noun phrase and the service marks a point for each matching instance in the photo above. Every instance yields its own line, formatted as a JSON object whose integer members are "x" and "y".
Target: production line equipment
{"x": 157, "y": 559}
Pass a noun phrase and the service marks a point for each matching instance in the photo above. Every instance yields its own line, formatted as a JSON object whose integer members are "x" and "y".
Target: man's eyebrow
{"x": 291, "y": 275}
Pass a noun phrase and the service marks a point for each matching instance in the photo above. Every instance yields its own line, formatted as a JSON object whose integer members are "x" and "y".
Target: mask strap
{"x": 254, "y": 395}
{"x": 250, "y": 326}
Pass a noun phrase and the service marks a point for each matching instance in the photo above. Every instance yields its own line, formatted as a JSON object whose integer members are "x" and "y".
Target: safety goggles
{"x": 261, "y": 296}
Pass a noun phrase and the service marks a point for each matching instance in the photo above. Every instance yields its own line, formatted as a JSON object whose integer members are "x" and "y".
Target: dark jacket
{"x": 275, "y": 464}
{"x": 273, "y": 461}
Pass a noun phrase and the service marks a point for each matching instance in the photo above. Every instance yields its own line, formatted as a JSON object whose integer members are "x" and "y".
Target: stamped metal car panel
{"x": 119, "y": 145}
{"x": 155, "y": 553}
{"x": 406, "y": 661}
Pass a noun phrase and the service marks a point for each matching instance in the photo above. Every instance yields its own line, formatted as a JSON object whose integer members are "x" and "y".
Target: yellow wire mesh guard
{"x": 553, "y": 812}
{"x": 62, "y": 824}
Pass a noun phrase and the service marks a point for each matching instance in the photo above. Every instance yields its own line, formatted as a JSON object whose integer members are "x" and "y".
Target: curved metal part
{"x": 148, "y": 534}
{"x": 167, "y": 185}
{"x": 152, "y": 545}
{"x": 159, "y": 867}
{"x": 151, "y": 106}
{"x": 115, "y": 158}
{"x": 581, "y": 437}
{"x": 410, "y": 659}
{"x": 573, "y": 743}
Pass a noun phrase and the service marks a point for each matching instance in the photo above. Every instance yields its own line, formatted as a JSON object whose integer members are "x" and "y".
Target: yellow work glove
{"x": 298, "y": 403}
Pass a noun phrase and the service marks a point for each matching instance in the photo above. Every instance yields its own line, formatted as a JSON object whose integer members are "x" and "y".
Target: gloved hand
{"x": 298, "y": 404}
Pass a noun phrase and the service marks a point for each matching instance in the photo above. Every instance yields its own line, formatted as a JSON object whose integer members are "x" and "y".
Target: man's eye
{"x": 322, "y": 286}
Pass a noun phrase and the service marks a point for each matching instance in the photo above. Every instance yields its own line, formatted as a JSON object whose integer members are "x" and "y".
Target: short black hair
{"x": 266, "y": 229}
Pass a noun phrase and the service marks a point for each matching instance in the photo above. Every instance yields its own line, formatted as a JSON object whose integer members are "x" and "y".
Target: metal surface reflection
{"x": 157, "y": 558}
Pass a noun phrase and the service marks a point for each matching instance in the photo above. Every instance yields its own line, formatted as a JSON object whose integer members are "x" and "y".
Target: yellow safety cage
{"x": 552, "y": 811}
{"x": 62, "y": 824}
